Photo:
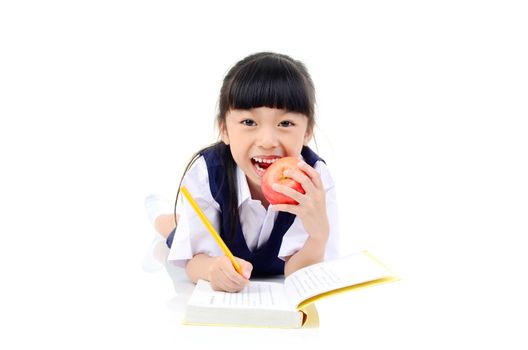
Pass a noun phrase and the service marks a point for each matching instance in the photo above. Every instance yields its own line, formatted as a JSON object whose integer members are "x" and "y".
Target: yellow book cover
{"x": 288, "y": 304}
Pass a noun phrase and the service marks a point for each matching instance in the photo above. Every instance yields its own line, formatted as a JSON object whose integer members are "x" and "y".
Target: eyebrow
{"x": 294, "y": 115}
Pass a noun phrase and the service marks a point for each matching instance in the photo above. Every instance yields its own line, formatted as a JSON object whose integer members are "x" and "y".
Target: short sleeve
{"x": 296, "y": 236}
{"x": 191, "y": 236}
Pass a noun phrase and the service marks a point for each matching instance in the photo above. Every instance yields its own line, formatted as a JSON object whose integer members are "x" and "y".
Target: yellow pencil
{"x": 211, "y": 229}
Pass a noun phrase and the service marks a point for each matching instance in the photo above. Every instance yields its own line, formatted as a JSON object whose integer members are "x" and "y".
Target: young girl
{"x": 266, "y": 111}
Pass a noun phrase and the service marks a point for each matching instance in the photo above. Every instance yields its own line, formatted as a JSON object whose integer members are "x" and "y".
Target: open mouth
{"x": 262, "y": 163}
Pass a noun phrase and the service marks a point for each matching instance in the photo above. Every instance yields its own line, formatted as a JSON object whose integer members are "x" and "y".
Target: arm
{"x": 313, "y": 213}
{"x": 193, "y": 245}
{"x": 311, "y": 253}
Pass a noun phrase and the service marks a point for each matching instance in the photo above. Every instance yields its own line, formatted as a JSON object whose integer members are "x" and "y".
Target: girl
{"x": 266, "y": 111}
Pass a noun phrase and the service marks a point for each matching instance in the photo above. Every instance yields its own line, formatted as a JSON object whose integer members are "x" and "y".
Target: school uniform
{"x": 263, "y": 237}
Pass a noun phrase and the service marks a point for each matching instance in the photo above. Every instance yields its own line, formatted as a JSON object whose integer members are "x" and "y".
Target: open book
{"x": 288, "y": 304}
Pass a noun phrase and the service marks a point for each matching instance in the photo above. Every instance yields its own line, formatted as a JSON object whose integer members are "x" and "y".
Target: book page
{"x": 326, "y": 276}
{"x": 256, "y": 295}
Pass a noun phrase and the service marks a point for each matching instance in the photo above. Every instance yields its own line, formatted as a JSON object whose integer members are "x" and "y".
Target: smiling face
{"x": 259, "y": 136}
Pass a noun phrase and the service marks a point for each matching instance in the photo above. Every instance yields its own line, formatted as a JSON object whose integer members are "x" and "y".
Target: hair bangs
{"x": 270, "y": 83}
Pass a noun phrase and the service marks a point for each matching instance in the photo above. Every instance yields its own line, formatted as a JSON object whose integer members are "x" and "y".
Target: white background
{"x": 422, "y": 114}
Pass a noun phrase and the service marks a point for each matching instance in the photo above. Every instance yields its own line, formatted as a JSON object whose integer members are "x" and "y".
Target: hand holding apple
{"x": 293, "y": 186}
{"x": 275, "y": 174}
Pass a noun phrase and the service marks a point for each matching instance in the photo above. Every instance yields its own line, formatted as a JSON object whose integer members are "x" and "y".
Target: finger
{"x": 223, "y": 283}
{"x": 246, "y": 267}
{"x": 311, "y": 172}
{"x": 301, "y": 177}
{"x": 220, "y": 276}
{"x": 290, "y": 192}
{"x": 233, "y": 278}
{"x": 220, "y": 283}
{"x": 233, "y": 281}
{"x": 232, "y": 287}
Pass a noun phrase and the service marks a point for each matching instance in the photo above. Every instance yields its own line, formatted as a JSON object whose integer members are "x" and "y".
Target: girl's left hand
{"x": 312, "y": 204}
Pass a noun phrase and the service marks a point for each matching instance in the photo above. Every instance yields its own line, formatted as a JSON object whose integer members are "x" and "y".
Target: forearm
{"x": 311, "y": 253}
{"x": 198, "y": 267}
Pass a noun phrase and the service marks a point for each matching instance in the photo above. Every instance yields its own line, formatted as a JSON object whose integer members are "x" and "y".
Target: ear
{"x": 308, "y": 136}
{"x": 223, "y": 133}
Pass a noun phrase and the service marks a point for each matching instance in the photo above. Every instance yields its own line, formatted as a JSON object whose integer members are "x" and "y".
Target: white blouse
{"x": 191, "y": 236}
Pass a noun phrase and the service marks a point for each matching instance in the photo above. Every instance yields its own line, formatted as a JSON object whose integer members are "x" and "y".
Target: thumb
{"x": 246, "y": 268}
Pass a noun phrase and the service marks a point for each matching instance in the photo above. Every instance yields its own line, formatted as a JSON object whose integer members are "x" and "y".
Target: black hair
{"x": 263, "y": 79}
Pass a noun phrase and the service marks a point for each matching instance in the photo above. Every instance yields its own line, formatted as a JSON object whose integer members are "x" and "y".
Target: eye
{"x": 286, "y": 123}
{"x": 248, "y": 122}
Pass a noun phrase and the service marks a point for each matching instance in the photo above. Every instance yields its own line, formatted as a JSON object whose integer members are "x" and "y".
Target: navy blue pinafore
{"x": 265, "y": 259}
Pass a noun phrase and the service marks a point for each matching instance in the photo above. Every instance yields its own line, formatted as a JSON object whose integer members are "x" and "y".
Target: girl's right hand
{"x": 224, "y": 277}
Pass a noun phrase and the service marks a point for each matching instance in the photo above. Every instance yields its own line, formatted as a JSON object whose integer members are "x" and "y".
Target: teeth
{"x": 269, "y": 161}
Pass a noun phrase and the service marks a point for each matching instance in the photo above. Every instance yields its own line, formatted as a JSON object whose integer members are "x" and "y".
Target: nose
{"x": 267, "y": 138}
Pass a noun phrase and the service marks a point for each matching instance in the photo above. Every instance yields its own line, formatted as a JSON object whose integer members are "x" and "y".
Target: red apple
{"x": 275, "y": 174}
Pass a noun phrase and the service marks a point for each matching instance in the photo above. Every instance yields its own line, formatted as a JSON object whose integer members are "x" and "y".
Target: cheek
{"x": 299, "y": 142}
{"x": 238, "y": 154}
